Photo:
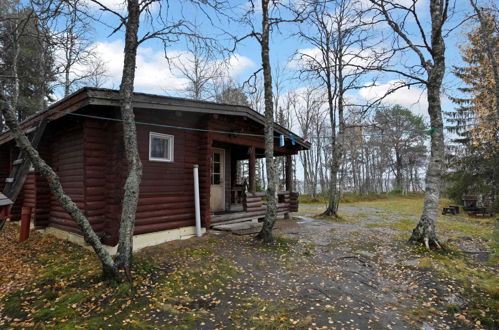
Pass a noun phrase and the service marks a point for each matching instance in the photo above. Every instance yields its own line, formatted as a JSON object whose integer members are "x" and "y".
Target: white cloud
{"x": 153, "y": 73}
{"x": 116, "y": 5}
{"x": 413, "y": 98}
{"x": 239, "y": 63}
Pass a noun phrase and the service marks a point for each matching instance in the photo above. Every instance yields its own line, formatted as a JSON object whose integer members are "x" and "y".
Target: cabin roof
{"x": 110, "y": 97}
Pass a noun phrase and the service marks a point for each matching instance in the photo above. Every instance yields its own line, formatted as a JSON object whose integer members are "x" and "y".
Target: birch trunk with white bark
{"x": 132, "y": 185}
{"x": 270, "y": 216}
{"x": 425, "y": 230}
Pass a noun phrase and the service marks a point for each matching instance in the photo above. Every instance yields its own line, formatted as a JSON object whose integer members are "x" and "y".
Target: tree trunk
{"x": 425, "y": 230}
{"x": 425, "y": 233}
{"x": 266, "y": 233}
{"x": 334, "y": 193}
{"x": 398, "y": 170}
{"x": 132, "y": 186}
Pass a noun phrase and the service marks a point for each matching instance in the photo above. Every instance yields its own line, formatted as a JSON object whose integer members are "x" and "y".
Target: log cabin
{"x": 81, "y": 139}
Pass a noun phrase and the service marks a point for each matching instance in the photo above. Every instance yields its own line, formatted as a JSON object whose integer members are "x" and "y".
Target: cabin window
{"x": 160, "y": 147}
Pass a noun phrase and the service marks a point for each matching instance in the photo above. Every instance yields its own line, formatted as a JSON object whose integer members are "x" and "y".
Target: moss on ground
{"x": 68, "y": 291}
{"x": 480, "y": 282}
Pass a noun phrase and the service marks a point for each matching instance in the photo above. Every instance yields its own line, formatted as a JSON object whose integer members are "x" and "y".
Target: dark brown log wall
{"x": 96, "y": 163}
{"x": 204, "y": 152}
{"x": 167, "y": 190}
{"x": 90, "y": 160}
{"x": 43, "y": 202}
{"x": 29, "y": 193}
{"x": 115, "y": 173}
{"x": 67, "y": 160}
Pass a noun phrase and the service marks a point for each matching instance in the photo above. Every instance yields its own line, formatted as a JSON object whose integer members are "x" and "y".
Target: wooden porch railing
{"x": 286, "y": 201}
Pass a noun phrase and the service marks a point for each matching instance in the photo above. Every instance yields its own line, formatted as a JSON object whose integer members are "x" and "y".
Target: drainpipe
{"x": 196, "y": 201}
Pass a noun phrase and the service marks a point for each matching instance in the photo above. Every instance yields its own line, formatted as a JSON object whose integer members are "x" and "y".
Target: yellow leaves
{"x": 479, "y": 77}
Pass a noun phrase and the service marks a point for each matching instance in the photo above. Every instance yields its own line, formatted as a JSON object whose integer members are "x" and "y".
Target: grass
{"x": 282, "y": 245}
{"x": 180, "y": 285}
{"x": 480, "y": 283}
{"x": 258, "y": 313}
{"x": 402, "y": 225}
{"x": 355, "y": 198}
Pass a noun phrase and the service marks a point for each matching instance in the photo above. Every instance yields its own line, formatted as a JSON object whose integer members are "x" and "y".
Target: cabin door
{"x": 217, "y": 193}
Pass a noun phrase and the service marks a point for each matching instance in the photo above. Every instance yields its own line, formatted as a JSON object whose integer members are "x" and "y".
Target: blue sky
{"x": 154, "y": 74}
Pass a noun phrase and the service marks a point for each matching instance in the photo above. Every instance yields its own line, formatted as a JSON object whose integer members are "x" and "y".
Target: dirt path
{"x": 353, "y": 273}
{"x": 357, "y": 273}
{"x": 373, "y": 282}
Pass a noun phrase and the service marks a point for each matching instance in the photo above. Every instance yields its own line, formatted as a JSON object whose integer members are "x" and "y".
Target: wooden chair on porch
{"x": 238, "y": 192}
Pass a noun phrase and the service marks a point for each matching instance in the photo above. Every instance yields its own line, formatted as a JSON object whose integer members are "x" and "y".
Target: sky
{"x": 155, "y": 74}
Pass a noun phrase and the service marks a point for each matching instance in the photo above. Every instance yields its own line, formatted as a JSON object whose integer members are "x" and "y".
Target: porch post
{"x": 289, "y": 173}
{"x": 252, "y": 170}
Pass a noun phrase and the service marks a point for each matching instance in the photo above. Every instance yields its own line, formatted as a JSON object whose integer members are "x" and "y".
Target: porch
{"x": 254, "y": 208}
{"x": 233, "y": 195}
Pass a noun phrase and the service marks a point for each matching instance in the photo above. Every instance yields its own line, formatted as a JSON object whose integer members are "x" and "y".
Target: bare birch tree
{"x": 200, "y": 67}
{"x": 270, "y": 18}
{"x": 168, "y": 30}
{"x": 78, "y": 63}
{"x": 121, "y": 264}
{"x": 341, "y": 35}
{"x": 428, "y": 48}
{"x": 311, "y": 117}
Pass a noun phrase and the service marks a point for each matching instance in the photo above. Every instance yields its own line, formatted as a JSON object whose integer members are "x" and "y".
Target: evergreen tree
{"x": 402, "y": 134}
{"x": 26, "y": 58}
{"x": 475, "y": 153}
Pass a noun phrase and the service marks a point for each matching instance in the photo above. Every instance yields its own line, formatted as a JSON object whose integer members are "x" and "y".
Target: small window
{"x": 160, "y": 147}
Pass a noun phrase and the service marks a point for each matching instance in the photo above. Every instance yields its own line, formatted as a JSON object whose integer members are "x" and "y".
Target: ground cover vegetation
{"x": 320, "y": 272}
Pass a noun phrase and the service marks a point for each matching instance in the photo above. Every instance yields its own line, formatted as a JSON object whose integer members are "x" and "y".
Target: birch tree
{"x": 270, "y": 16}
{"x": 200, "y": 66}
{"x": 311, "y": 117}
{"x": 427, "y": 48}
{"x": 167, "y": 30}
{"x": 341, "y": 35}
{"x": 77, "y": 62}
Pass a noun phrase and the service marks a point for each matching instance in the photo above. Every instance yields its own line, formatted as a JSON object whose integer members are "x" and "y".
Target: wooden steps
{"x": 21, "y": 166}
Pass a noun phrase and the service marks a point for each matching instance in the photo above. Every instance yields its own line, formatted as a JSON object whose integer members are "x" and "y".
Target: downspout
{"x": 196, "y": 201}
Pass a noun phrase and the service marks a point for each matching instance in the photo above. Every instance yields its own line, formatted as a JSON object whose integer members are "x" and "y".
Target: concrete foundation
{"x": 139, "y": 241}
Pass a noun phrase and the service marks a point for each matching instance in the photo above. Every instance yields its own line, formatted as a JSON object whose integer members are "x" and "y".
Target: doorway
{"x": 217, "y": 189}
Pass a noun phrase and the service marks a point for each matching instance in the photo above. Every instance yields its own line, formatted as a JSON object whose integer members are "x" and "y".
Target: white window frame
{"x": 170, "y": 139}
